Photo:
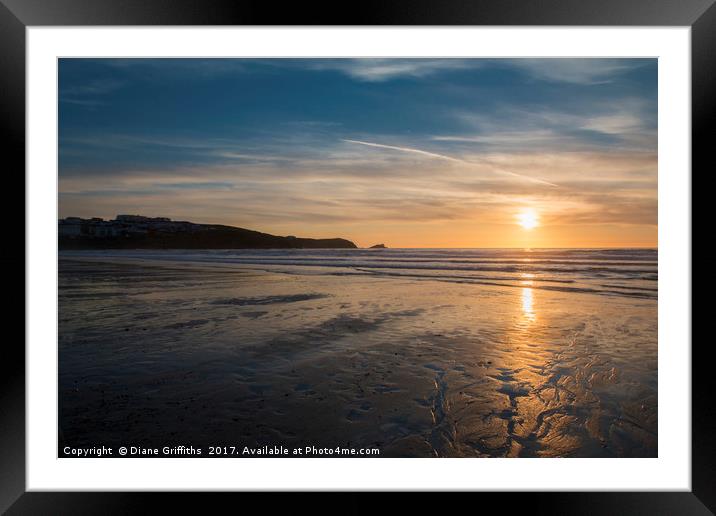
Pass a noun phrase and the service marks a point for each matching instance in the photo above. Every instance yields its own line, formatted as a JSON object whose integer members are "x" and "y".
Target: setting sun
{"x": 528, "y": 219}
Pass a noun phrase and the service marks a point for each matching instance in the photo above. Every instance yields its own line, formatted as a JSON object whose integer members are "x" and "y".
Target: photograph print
{"x": 357, "y": 257}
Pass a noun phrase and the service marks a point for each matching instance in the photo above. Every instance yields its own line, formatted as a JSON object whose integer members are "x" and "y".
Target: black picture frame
{"x": 16, "y": 15}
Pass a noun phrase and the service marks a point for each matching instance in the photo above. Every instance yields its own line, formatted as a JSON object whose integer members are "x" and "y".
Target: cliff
{"x": 200, "y": 237}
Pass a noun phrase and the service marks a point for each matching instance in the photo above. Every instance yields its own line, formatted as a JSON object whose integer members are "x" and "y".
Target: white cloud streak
{"x": 380, "y": 70}
{"x": 405, "y": 149}
{"x": 450, "y": 158}
{"x": 575, "y": 71}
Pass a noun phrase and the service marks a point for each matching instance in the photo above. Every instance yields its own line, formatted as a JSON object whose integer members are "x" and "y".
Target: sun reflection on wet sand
{"x": 528, "y": 305}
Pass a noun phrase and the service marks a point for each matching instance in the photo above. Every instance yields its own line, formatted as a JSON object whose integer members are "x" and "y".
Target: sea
{"x": 611, "y": 272}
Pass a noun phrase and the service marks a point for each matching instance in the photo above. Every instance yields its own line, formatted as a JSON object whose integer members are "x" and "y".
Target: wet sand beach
{"x": 417, "y": 362}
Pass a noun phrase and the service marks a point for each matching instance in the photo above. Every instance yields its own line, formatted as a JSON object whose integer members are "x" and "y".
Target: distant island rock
{"x": 378, "y": 246}
{"x": 138, "y": 232}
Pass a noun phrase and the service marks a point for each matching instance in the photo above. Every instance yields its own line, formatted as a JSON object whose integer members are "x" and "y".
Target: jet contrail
{"x": 406, "y": 149}
{"x": 449, "y": 158}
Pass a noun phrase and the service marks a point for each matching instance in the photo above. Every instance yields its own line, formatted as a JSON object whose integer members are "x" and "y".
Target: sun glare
{"x": 528, "y": 219}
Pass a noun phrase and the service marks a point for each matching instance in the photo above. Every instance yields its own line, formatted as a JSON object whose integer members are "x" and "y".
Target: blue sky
{"x": 338, "y": 147}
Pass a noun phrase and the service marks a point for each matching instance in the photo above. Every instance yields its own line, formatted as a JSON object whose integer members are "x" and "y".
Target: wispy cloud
{"x": 189, "y": 69}
{"x": 617, "y": 123}
{"x": 380, "y": 70}
{"x": 405, "y": 149}
{"x": 625, "y": 123}
{"x": 96, "y": 87}
{"x": 88, "y": 94}
{"x": 449, "y": 158}
{"x": 582, "y": 71}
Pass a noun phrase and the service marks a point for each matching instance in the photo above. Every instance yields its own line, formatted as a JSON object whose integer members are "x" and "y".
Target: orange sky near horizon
{"x": 508, "y": 235}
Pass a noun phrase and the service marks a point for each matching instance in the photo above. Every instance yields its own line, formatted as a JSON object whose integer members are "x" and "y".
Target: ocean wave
{"x": 621, "y": 272}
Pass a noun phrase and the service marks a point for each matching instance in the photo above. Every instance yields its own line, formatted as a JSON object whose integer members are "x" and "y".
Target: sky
{"x": 406, "y": 152}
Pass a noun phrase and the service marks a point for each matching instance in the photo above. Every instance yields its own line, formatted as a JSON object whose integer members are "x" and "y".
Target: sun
{"x": 528, "y": 219}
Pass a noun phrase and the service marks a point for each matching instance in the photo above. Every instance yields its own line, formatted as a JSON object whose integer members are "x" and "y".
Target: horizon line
{"x": 523, "y": 247}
